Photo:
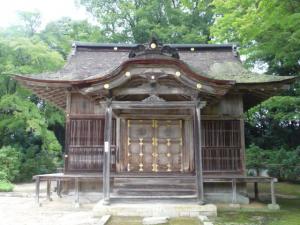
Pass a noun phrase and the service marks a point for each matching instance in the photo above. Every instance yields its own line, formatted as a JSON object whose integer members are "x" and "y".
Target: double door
{"x": 154, "y": 146}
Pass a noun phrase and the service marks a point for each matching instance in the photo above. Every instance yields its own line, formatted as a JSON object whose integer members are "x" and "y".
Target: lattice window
{"x": 221, "y": 146}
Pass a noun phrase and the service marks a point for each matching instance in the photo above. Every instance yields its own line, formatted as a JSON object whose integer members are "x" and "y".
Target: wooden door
{"x": 154, "y": 145}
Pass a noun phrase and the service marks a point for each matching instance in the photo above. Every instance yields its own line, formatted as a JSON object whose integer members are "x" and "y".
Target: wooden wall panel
{"x": 230, "y": 105}
{"x": 85, "y": 148}
{"x": 81, "y": 104}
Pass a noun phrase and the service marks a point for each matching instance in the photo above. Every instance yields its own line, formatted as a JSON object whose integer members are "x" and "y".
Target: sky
{"x": 50, "y": 10}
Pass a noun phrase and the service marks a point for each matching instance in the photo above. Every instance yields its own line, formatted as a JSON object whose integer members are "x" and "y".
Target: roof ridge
{"x": 129, "y": 46}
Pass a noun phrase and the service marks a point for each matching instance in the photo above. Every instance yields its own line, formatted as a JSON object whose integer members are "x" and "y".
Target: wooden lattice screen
{"x": 85, "y": 147}
{"x": 221, "y": 146}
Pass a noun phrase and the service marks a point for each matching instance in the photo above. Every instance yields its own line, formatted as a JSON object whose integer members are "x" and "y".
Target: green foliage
{"x": 22, "y": 125}
{"x": 6, "y": 186}
{"x": 28, "y": 56}
{"x": 31, "y": 21}
{"x": 58, "y": 35}
{"x": 285, "y": 164}
{"x": 256, "y": 158}
{"x": 281, "y": 163}
{"x": 180, "y": 21}
{"x": 267, "y": 30}
{"x": 9, "y": 162}
{"x": 275, "y": 123}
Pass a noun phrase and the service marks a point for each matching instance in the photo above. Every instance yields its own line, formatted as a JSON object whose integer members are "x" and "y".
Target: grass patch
{"x": 288, "y": 215}
{"x": 138, "y": 221}
{"x": 282, "y": 188}
{"x": 6, "y": 186}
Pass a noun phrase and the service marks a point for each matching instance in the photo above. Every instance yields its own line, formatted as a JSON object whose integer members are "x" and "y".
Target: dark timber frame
{"x": 194, "y": 105}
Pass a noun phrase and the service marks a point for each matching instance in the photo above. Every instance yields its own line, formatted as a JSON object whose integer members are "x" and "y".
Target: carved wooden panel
{"x": 154, "y": 145}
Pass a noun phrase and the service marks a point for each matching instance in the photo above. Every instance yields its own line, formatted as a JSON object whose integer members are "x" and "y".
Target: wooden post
{"x": 234, "y": 191}
{"x": 256, "y": 193}
{"x": 106, "y": 153}
{"x": 118, "y": 143}
{"x": 58, "y": 188}
{"x": 49, "y": 190}
{"x": 273, "y": 197}
{"x": 37, "y": 190}
{"x": 67, "y": 130}
{"x": 198, "y": 153}
{"x": 273, "y": 205}
{"x": 76, "y": 192}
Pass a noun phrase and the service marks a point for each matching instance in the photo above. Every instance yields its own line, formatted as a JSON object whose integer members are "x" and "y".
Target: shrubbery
{"x": 283, "y": 163}
{"x": 29, "y": 147}
{"x": 10, "y": 161}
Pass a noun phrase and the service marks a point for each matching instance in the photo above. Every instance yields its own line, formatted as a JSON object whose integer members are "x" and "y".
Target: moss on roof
{"x": 235, "y": 71}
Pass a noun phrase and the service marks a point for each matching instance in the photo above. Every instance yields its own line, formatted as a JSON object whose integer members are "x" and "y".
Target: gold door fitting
{"x": 141, "y": 167}
{"x": 128, "y": 141}
{"x": 141, "y": 141}
{"x": 168, "y": 142}
{"x": 154, "y": 141}
{"x": 128, "y": 167}
{"x": 169, "y": 167}
{"x": 154, "y": 167}
{"x": 154, "y": 123}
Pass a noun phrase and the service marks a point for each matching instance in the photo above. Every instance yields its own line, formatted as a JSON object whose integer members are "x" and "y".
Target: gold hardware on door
{"x": 154, "y": 145}
{"x": 168, "y": 142}
{"x": 141, "y": 141}
{"x": 128, "y": 141}
{"x": 154, "y": 124}
{"x": 154, "y": 141}
{"x": 169, "y": 167}
{"x": 141, "y": 167}
{"x": 154, "y": 167}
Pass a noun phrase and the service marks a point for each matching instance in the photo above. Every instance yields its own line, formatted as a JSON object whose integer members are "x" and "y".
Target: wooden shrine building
{"x": 156, "y": 120}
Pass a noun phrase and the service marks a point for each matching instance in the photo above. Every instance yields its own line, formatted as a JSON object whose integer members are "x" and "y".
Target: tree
{"x": 177, "y": 21}
{"x": 59, "y": 35}
{"x": 275, "y": 123}
{"x": 31, "y": 21}
{"x": 10, "y": 161}
{"x": 267, "y": 31}
{"x": 23, "y": 127}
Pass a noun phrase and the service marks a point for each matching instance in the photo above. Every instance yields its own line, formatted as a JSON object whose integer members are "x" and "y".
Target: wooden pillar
{"x": 118, "y": 143}
{"x": 273, "y": 197}
{"x": 67, "y": 131}
{"x": 49, "y": 190}
{"x": 234, "y": 194}
{"x": 37, "y": 190}
{"x": 76, "y": 192}
{"x": 106, "y": 153}
{"x": 256, "y": 193}
{"x": 198, "y": 153}
{"x": 58, "y": 188}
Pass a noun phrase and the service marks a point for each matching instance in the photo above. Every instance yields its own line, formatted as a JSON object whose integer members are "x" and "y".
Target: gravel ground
{"x": 19, "y": 208}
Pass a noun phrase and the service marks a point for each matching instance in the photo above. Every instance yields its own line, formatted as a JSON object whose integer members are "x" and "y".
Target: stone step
{"x": 128, "y": 192}
{"x": 154, "y": 186}
{"x": 159, "y": 198}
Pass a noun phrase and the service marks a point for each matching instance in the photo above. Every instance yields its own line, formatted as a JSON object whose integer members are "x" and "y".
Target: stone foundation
{"x": 214, "y": 192}
{"x": 155, "y": 209}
